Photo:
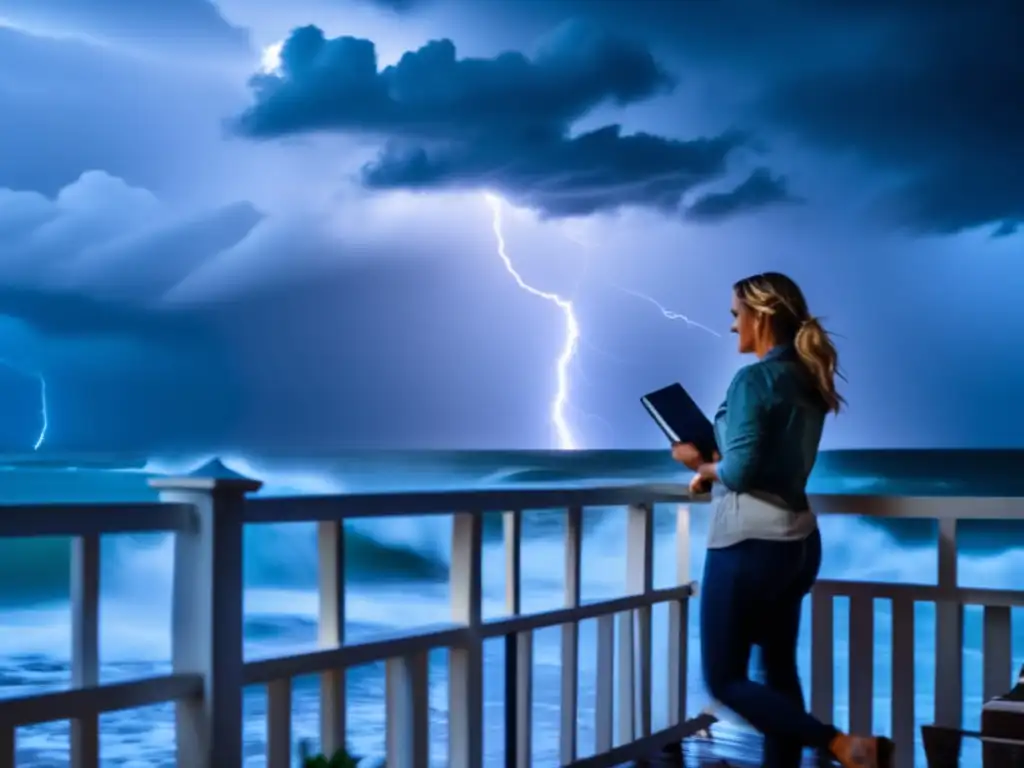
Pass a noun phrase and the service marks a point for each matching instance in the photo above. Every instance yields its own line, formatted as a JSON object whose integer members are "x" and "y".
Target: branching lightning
{"x": 563, "y": 431}
{"x": 44, "y": 410}
{"x": 668, "y": 313}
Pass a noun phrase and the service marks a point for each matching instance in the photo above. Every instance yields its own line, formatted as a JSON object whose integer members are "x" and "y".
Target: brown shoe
{"x": 862, "y": 751}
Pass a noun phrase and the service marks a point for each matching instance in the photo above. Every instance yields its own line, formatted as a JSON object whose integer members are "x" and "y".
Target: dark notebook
{"x": 680, "y": 419}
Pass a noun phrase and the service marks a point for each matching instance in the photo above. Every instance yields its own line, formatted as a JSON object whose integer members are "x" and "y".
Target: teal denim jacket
{"x": 769, "y": 427}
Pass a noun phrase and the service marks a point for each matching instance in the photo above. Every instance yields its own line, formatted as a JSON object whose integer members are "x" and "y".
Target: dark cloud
{"x": 68, "y": 314}
{"x": 927, "y": 95}
{"x": 98, "y": 257}
{"x": 193, "y": 25}
{"x": 118, "y": 377}
{"x": 84, "y": 275}
{"x": 939, "y": 105}
{"x": 502, "y": 124}
{"x": 1006, "y": 229}
{"x": 596, "y": 171}
{"x": 432, "y": 94}
{"x": 760, "y": 190}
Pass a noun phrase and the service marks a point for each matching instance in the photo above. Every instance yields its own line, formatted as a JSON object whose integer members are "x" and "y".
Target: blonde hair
{"x": 780, "y": 301}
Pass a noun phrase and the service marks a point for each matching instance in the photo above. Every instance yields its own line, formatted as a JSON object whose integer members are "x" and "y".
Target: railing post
{"x": 85, "y": 644}
{"x": 949, "y": 633}
{"x": 8, "y": 745}
{"x": 822, "y": 655}
{"x": 207, "y": 610}
{"x": 679, "y": 624}
{"x": 279, "y": 723}
{"x": 997, "y": 651}
{"x": 465, "y": 663}
{"x": 331, "y": 576}
{"x": 903, "y": 686}
{"x": 571, "y": 637}
{"x": 861, "y": 685}
{"x": 635, "y": 649}
{"x": 518, "y": 654}
{"x": 408, "y": 711}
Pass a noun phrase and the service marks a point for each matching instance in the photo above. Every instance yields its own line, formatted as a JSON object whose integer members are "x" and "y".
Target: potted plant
{"x": 340, "y": 759}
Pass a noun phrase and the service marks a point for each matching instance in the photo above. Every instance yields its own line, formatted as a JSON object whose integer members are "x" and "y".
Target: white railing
{"x": 949, "y": 599}
{"x": 406, "y": 656}
{"x": 208, "y": 511}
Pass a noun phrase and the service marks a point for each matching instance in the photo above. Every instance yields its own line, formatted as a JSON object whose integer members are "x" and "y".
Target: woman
{"x": 764, "y": 549}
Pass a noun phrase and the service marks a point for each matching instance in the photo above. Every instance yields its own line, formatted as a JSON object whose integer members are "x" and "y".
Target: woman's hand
{"x": 699, "y": 485}
{"x": 687, "y": 455}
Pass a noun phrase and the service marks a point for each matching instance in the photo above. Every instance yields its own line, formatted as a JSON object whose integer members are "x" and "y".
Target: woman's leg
{"x": 851, "y": 751}
{"x": 725, "y": 632}
{"x": 745, "y": 590}
{"x": 778, "y": 639}
{"x": 741, "y": 584}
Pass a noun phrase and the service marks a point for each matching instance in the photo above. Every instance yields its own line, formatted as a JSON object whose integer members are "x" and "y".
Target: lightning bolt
{"x": 44, "y": 411}
{"x": 44, "y": 414}
{"x": 667, "y": 313}
{"x": 566, "y": 440}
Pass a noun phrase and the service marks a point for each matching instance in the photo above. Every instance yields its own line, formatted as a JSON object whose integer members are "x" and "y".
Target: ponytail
{"x": 777, "y": 298}
{"x": 819, "y": 356}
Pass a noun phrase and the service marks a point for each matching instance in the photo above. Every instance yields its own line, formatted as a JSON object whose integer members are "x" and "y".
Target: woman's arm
{"x": 746, "y": 405}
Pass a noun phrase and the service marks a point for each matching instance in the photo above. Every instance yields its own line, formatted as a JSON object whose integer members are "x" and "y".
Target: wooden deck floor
{"x": 708, "y": 753}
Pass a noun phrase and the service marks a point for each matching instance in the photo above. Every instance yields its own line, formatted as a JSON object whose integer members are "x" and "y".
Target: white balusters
{"x": 85, "y": 657}
{"x": 207, "y": 515}
{"x": 635, "y": 651}
{"x": 642, "y": 525}
{"x": 465, "y": 663}
{"x": 678, "y": 623}
{"x": 512, "y": 529}
{"x": 997, "y": 652}
{"x": 331, "y": 631}
{"x": 570, "y": 636}
{"x": 822, "y": 655}
{"x": 604, "y": 706}
{"x": 408, "y": 711}
{"x": 862, "y": 662}
{"x": 518, "y": 654}
{"x": 279, "y": 723}
{"x": 903, "y": 681}
{"x": 7, "y": 745}
{"x": 949, "y": 633}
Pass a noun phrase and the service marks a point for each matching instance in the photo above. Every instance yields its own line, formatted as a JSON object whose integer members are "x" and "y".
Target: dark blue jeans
{"x": 751, "y": 595}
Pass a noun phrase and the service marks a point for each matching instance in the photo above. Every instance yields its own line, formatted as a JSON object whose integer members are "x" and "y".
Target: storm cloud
{"x": 928, "y": 97}
{"x": 98, "y": 257}
{"x": 759, "y": 190}
{"x": 503, "y": 124}
{"x": 939, "y": 106}
{"x": 83, "y": 279}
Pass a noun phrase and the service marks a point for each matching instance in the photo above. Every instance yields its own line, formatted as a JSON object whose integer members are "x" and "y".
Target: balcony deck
{"x": 206, "y": 512}
{"x": 704, "y": 753}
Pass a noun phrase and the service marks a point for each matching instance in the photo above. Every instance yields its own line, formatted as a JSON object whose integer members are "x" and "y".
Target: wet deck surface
{"x": 705, "y": 753}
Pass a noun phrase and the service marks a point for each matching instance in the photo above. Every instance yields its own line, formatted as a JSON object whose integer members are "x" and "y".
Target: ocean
{"x": 397, "y": 578}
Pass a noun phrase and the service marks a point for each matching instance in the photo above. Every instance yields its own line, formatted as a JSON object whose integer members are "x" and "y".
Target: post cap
{"x": 211, "y": 476}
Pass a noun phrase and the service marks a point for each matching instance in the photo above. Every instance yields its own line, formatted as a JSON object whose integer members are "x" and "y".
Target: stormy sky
{"x": 264, "y": 225}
